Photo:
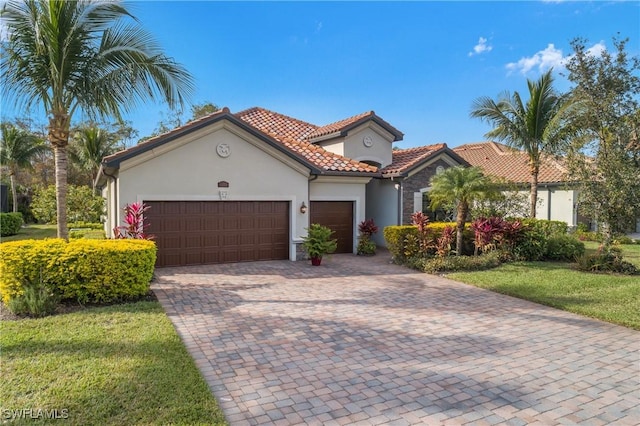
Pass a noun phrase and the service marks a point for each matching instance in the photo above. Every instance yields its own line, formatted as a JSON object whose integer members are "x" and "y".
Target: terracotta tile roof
{"x": 500, "y": 160}
{"x": 348, "y": 123}
{"x": 404, "y": 159}
{"x": 276, "y": 125}
{"x": 293, "y": 133}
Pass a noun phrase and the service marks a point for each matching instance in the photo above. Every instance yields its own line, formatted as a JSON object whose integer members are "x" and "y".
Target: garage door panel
{"x": 206, "y": 232}
{"x": 338, "y": 216}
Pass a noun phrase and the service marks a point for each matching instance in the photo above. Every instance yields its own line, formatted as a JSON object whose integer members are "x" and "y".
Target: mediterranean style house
{"x": 233, "y": 187}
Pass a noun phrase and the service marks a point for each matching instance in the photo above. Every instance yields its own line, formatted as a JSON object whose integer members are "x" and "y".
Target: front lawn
{"x": 115, "y": 365}
{"x": 612, "y": 298}
{"x": 35, "y": 232}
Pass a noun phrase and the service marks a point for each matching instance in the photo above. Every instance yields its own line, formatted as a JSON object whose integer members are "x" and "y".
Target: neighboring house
{"x": 557, "y": 200}
{"x": 242, "y": 187}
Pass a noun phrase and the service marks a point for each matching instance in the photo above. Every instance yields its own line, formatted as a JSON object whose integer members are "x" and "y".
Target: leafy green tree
{"x": 537, "y": 127}
{"x": 17, "y": 151}
{"x": 203, "y": 109}
{"x": 461, "y": 187}
{"x": 89, "y": 146}
{"x": 82, "y": 206}
{"x": 90, "y": 56}
{"x": 605, "y": 159}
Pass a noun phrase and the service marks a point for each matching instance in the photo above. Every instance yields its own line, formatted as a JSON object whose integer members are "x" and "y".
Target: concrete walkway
{"x": 362, "y": 341}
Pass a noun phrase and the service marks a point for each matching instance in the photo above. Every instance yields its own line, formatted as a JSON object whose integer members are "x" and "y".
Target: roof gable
{"x": 342, "y": 127}
{"x": 502, "y": 161}
{"x": 285, "y": 133}
{"x": 406, "y": 160}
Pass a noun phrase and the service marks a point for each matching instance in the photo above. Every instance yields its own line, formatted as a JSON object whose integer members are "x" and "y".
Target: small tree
{"x": 462, "y": 187}
{"x": 605, "y": 159}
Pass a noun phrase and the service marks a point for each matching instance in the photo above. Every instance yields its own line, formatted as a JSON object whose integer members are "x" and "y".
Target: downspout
{"x": 400, "y": 200}
{"x": 115, "y": 196}
{"x": 548, "y": 203}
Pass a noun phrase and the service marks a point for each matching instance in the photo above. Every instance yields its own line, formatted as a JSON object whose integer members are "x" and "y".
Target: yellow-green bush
{"x": 10, "y": 223}
{"x": 87, "y": 271}
{"x": 403, "y": 242}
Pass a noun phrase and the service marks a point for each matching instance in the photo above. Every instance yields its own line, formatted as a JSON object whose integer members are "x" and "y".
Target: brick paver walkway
{"x": 359, "y": 340}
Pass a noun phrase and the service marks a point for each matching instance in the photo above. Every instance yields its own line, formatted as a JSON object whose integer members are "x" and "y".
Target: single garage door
{"x": 338, "y": 216}
{"x": 206, "y": 232}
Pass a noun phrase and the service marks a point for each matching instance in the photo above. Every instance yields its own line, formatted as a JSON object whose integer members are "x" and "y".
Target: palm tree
{"x": 18, "y": 148}
{"x": 84, "y": 55}
{"x": 90, "y": 145}
{"x": 460, "y": 186}
{"x": 536, "y": 128}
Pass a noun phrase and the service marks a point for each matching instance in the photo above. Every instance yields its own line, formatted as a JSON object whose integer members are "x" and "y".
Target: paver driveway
{"x": 359, "y": 340}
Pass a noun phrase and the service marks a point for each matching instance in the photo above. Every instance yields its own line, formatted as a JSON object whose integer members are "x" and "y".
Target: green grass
{"x": 115, "y": 365}
{"x": 612, "y": 298}
{"x": 36, "y": 232}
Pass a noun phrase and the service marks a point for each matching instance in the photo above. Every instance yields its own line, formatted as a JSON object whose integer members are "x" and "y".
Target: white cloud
{"x": 481, "y": 47}
{"x": 549, "y": 58}
{"x": 542, "y": 60}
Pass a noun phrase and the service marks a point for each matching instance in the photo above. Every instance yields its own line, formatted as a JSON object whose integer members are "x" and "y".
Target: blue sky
{"x": 418, "y": 65}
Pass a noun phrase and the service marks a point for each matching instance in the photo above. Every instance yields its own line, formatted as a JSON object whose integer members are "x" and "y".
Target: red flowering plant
{"x": 134, "y": 220}
{"x": 421, "y": 221}
{"x": 443, "y": 243}
{"x": 495, "y": 232}
{"x": 366, "y": 246}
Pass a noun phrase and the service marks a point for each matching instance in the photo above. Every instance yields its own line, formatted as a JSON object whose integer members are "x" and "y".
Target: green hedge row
{"x": 403, "y": 243}
{"x": 86, "y": 271}
{"x": 10, "y": 223}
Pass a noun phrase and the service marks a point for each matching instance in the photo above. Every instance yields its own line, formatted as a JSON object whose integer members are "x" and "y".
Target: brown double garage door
{"x": 208, "y": 232}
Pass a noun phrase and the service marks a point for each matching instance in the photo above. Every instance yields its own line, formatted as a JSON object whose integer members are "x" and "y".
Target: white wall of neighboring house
{"x": 382, "y": 205}
{"x": 338, "y": 188}
{"x": 190, "y": 169}
{"x": 556, "y": 204}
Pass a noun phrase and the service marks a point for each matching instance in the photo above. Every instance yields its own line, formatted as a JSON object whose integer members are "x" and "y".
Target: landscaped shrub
{"x": 86, "y": 271}
{"x": 496, "y": 233}
{"x": 134, "y": 219}
{"x": 85, "y": 225}
{"x": 36, "y": 300}
{"x": 396, "y": 239}
{"x": 546, "y": 227}
{"x": 82, "y": 204}
{"x": 91, "y": 234}
{"x": 607, "y": 260}
{"x": 564, "y": 247}
{"x": 403, "y": 242}
{"x": 10, "y": 223}
{"x": 366, "y": 246}
{"x": 531, "y": 245}
{"x": 462, "y": 263}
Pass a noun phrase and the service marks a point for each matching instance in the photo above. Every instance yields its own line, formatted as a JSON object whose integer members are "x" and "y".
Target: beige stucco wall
{"x": 379, "y": 151}
{"x": 192, "y": 169}
{"x": 352, "y": 146}
{"x": 382, "y": 205}
{"x": 337, "y": 188}
{"x": 556, "y": 204}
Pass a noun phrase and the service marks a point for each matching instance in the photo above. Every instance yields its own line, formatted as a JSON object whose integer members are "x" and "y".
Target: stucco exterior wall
{"x": 192, "y": 170}
{"x": 335, "y": 188}
{"x": 556, "y": 204}
{"x": 382, "y": 205}
{"x": 379, "y": 151}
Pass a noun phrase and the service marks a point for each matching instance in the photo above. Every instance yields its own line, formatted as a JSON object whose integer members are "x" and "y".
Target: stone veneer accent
{"x": 415, "y": 183}
{"x": 301, "y": 253}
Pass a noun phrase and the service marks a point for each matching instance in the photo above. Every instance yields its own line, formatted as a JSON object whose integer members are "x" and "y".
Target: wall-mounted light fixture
{"x": 303, "y": 208}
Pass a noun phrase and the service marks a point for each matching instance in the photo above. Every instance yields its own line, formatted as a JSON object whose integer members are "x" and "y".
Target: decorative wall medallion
{"x": 223, "y": 150}
{"x": 439, "y": 170}
{"x": 367, "y": 141}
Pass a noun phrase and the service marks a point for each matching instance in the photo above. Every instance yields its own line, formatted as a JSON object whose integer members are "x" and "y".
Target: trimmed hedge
{"x": 87, "y": 271}
{"x": 10, "y": 223}
{"x": 564, "y": 247}
{"x": 403, "y": 242}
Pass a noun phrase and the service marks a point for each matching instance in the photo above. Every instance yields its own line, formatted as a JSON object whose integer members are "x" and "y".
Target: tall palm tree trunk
{"x": 461, "y": 217}
{"x": 534, "y": 193}
{"x": 59, "y": 139}
{"x": 14, "y": 192}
